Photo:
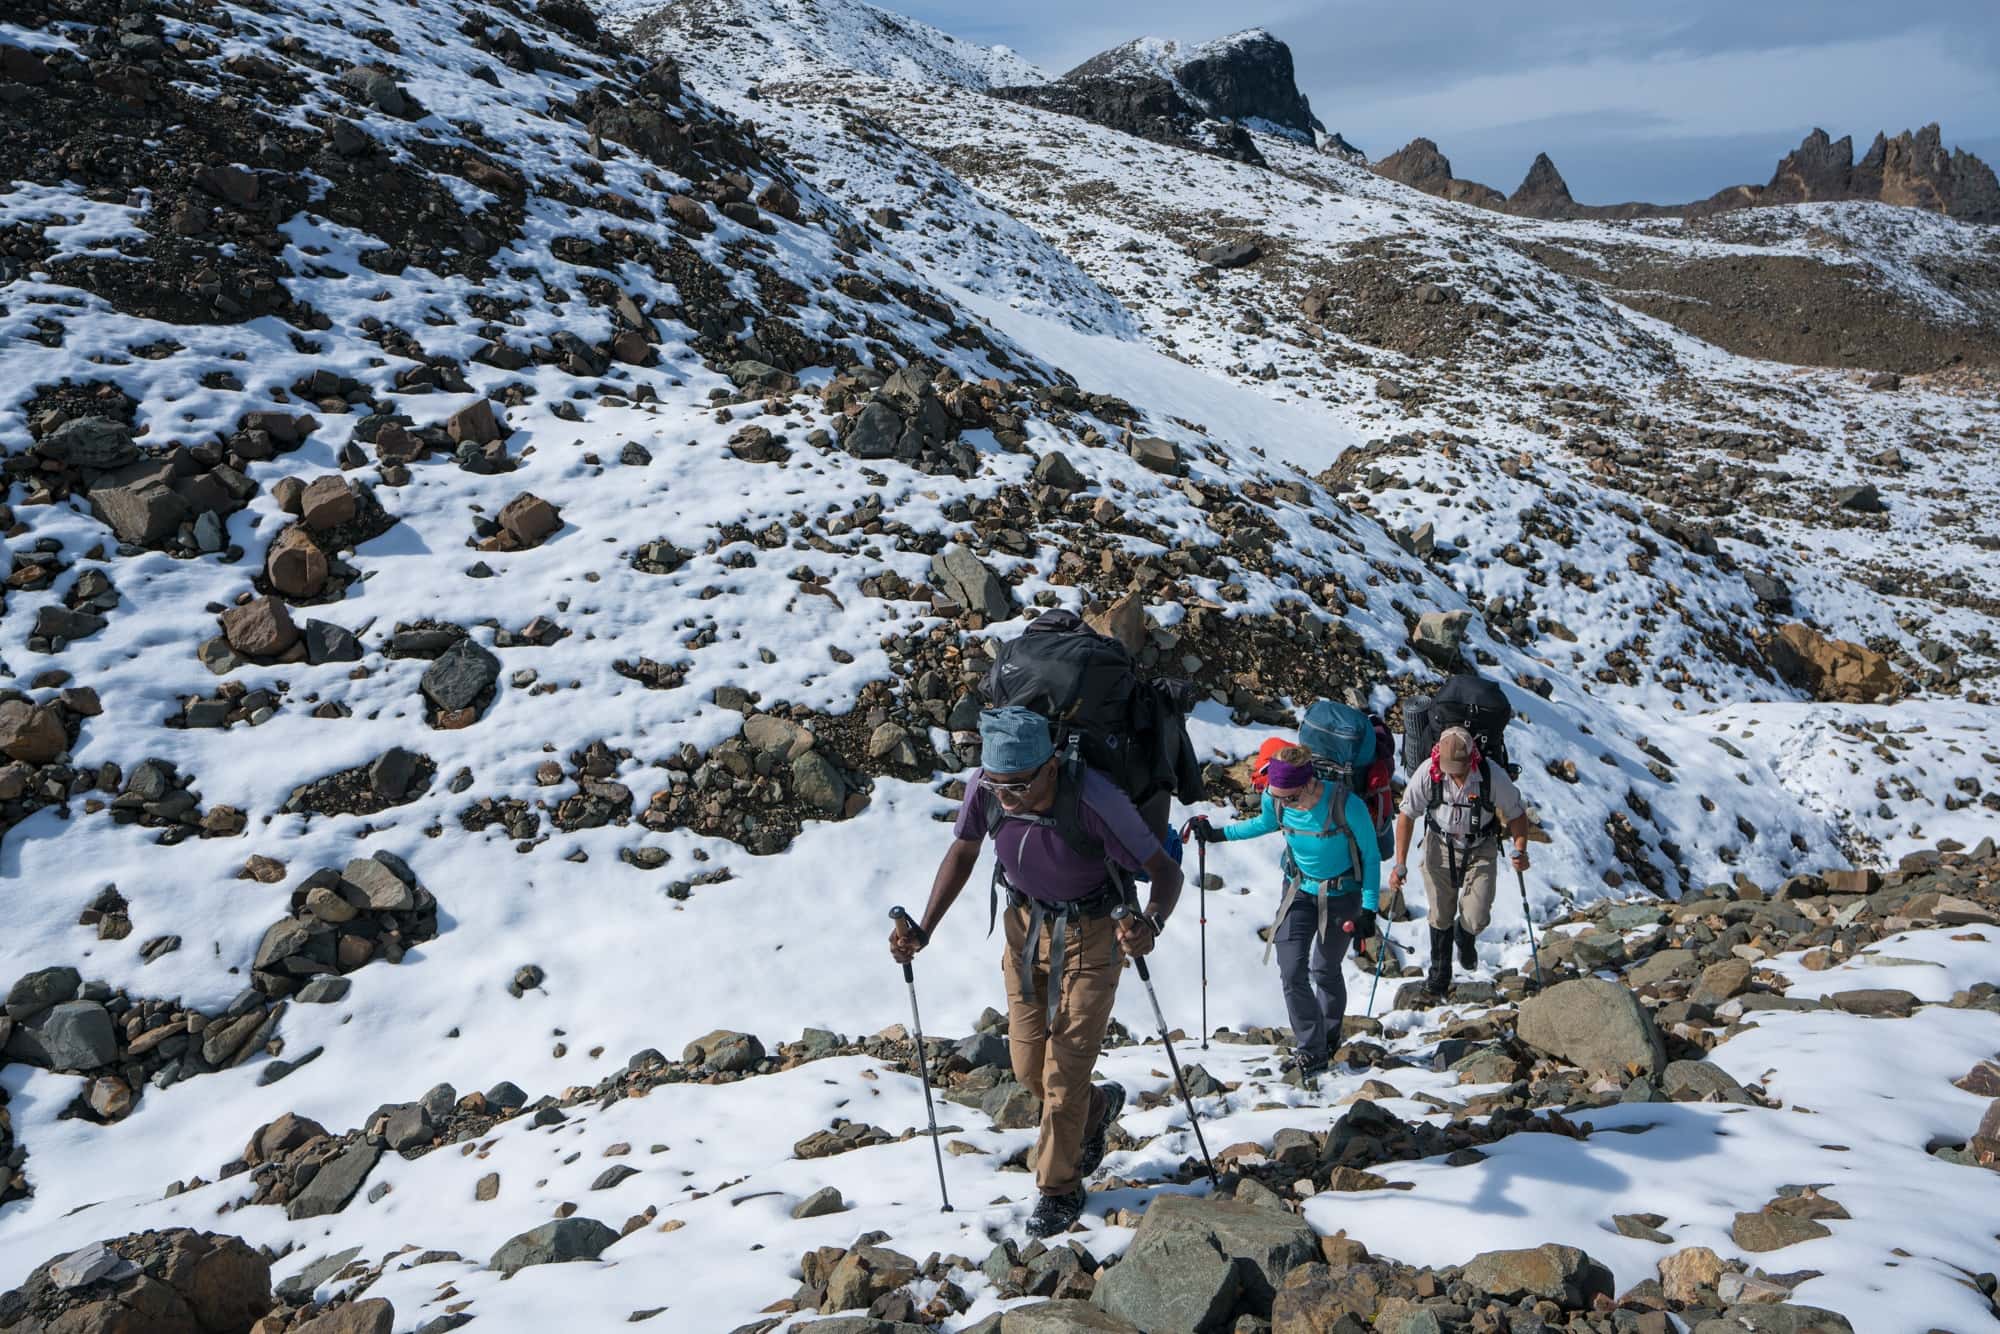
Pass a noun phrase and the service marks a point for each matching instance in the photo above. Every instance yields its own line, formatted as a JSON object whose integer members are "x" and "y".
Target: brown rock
{"x": 1773, "y": 1232}
{"x": 1833, "y": 669}
{"x": 690, "y": 213}
{"x": 529, "y": 519}
{"x": 327, "y": 502}
{"x": 109, "y": 1097}
{"x": 1720, "y": 981}
{"x": 261, "y": 628}
{"x": 1124, "y": 620}
{"x": 295, "y": 565}
{"x": 281, "y": 1136}
{"x": 372, "y": 1316}
{"x": 31, "y": 733}
{"x": 474, "y": 423}
{"x": 1684, "y": 1273}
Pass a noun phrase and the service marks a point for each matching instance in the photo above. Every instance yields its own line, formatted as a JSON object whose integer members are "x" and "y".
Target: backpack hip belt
{"x": 1295, "y": 880}
{"x": 1058, "y": 917}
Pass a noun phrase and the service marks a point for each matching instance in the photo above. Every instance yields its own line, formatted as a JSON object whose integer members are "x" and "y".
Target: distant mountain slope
{"x": 791, "y": 39}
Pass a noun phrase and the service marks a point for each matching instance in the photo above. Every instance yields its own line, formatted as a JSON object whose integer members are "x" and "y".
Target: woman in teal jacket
{"x": 1333, "y": 879}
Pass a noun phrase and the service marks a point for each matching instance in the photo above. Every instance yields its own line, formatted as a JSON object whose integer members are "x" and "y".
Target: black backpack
{"x": 1466, "y": 700}
{"x": 1103, "y": 716}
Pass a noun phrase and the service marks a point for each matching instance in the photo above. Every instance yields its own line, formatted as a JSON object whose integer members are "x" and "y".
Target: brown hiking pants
{"x": 1055, "y": 1064}
{"x": 1471, "y": 902}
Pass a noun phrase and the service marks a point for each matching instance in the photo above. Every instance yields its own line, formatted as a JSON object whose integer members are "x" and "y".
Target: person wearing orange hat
{"x": 1464, "y": 800}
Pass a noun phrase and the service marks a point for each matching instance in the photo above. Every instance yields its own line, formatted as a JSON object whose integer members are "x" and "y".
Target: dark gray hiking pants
{"x": 1307, "y": 967}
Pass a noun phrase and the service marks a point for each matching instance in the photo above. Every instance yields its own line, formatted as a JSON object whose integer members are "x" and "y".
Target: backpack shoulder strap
{"x": 1068, "y": 810}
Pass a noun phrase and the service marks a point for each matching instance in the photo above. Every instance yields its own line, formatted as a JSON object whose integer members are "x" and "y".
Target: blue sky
{"x": 1660, "y": 102}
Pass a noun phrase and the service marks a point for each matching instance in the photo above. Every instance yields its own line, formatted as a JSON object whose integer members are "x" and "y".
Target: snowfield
{"x": 1622, "y": 513}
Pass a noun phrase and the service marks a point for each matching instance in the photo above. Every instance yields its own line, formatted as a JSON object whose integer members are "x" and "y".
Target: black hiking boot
{"x": 1438, "y": 981}
{"x": 1111, "y": 1101}
{"x": 1305, "y": 1070}
{"x": 1056, "y": 1213}
{"x": 1468, "y": 949}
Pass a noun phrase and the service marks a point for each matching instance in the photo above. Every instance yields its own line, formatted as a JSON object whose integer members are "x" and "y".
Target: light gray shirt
{"x": 1458, "y": 814}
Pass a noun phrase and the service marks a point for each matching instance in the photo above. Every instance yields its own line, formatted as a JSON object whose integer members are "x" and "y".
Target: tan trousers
{"x": 1472, "y": 903}
{"x": 1056, "y": 1065}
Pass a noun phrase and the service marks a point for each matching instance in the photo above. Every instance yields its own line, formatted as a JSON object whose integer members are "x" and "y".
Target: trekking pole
{"x": 1201, "y": 870}
{"x": 923, "y": 1066}
{"x": 1381, "y": 953}
{"x": 1528, "y": 916}
{"x": 1119, "y": 913}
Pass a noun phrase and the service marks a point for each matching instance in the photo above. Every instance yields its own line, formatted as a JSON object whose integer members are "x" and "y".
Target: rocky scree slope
{"x": 1507, "y": 346}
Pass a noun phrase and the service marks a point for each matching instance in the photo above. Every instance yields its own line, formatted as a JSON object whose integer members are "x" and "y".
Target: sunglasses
{"x": 1289, "y": 796}
{"x": 1020, "y": 789}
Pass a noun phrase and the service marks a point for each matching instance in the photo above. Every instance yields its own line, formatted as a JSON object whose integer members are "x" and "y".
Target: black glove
{"x": 1204, "y": 832}
{"x": 1364, "y": 924}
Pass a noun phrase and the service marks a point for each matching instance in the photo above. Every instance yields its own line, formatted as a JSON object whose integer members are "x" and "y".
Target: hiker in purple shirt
{"x": 1067, "y": 840}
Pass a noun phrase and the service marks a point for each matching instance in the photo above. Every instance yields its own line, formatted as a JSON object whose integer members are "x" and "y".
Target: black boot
{"x": 1468, "y": 949}
{"x": 1439, "y": 980}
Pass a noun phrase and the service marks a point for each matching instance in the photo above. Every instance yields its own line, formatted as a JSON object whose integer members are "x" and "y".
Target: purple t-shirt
{"x": 1036, "y": 860}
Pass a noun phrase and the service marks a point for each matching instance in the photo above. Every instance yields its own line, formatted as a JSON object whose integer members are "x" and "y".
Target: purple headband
{"x": 1288, "y": 776}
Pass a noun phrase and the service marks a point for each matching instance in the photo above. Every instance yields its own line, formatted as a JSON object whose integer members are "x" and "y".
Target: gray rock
{"x": 299, "y": 1288}
{"x": 460, "y": 675}
{"x": 826, "y": 1200}
{"x": 94, "y": 1263}
{"x": 875, "y": 434}
{"x": 1881, "y": 1002}
{"x": 336, "y": 1183}
{"x": 35, "y": 992}
{"x": 816, "y": 780}
{"x": 1697, "y": 1081}
{"x": 140, "y": 514}
{"x": 391, "y": 773}
{"x": 282, "y": 939}
{"x": 506, "y": 1096}
{"x": 1157, "y": 455}
{"x": 375, "y": 886}
{"x": 966, "y": 580}
{"x": 409, "y": 1126}
{"x": 559, "y": 1242}
{"x": 75, "y": 1035}
{"x": 54, "y": 622}
{"x": 95, "y": 443}
{"x": 1054, "y": 469}
{"x": 1060, "y": 1317}
{"x": 1438, "y": 634}
{"x": 324, "y": 990}
{"x": 1263, "y": 1243}
{"x": 327, "y": 642}
{"x": 983, "y": 1049}
{"x": 1231, "y": 254}
{"x": 1179, "y": 1281}
{"x": 1663, "y": 966}
{"x": 1597, "y": 1025}
{"x": 1781, "y": 1318}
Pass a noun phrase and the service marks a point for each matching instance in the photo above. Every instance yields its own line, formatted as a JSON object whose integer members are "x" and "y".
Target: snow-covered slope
{"x": 542, "y": 387}
{"x": 783, "y": 40}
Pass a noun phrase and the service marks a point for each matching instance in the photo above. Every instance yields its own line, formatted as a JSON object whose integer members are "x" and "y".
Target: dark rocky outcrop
{"x": 1913, "y": 170}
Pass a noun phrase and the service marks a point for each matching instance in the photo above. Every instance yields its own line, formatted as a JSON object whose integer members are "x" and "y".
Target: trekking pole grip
{"x": 1119, "y": 914}
{"x": 903, "y": 920}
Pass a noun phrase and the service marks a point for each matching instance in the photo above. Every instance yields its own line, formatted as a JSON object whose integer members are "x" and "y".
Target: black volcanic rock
{"x": 1249, "y": 76}
{"x": 1165, "y": 91}
{"x": 1543, "y": 193}
{"x": 1150, "y": 108}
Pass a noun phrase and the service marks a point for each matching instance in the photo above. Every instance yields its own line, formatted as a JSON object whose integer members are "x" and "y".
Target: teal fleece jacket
{"x": 1319, "y": 845}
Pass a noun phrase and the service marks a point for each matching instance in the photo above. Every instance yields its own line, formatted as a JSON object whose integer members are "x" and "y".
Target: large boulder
{"x": 95, "y": 444}
{"x": 1832, "y": 669}
{"x": 1179, "y": 1281}
{"x": 459, "y": 676}
{"x": 295, "y": 565}
{"x": 865, "y": 1274}
{"x": 31, "y": 733}
{"x": 1597, "y": 1025}
{"x": 260, "y": 628}
{"x": 966, "y": 580}
{"x": 336, "y": 1182}
{"x": 559, "y": 1242}
{"x": 35, "y": 992}
{"x": 75, "y": 1035}
{"x": 173, "y": 1282}
{"x": 1560, "y": 1274}
{"x": 371, "y": 1315}
{"x": 1261, "y": 1244}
